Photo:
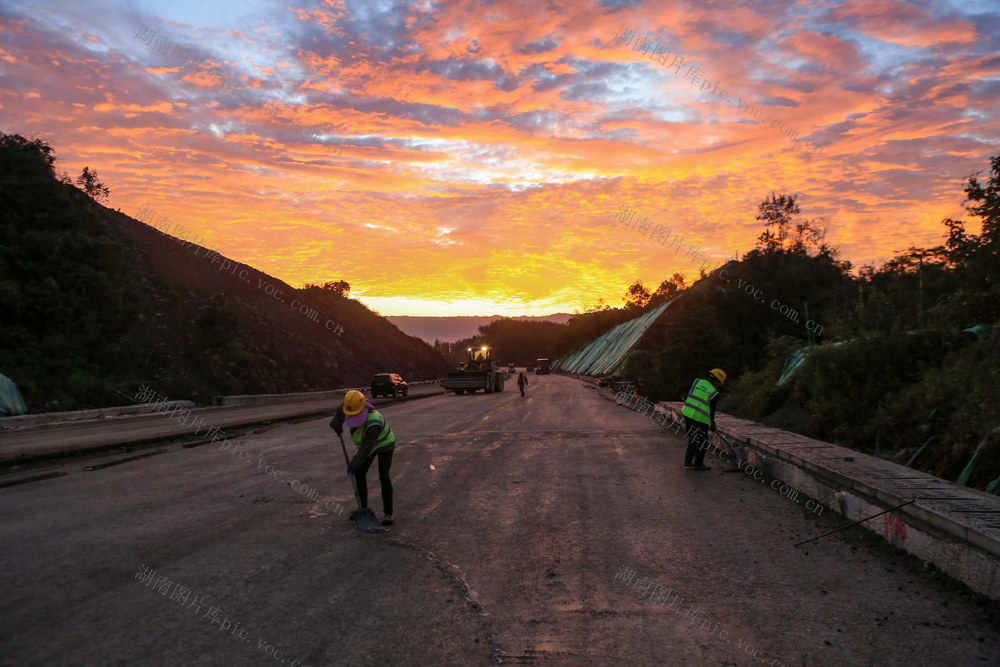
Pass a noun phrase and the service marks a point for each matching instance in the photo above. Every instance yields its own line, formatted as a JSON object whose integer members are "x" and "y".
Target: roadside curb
{"x": 954, "y": 528}
{"x": 45, "y": 419}
{"x": 951, "y": 527}
{"x": 276, "y": 399}
{"x": 96, "y": 442}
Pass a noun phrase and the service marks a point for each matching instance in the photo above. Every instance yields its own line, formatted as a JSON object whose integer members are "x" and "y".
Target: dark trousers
{"x": 384, "y": 461}
{"x": 697, "y": 442}
{"x": 521, "y": 386}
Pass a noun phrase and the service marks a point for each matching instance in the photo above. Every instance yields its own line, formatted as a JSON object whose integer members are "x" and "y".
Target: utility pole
{"x": 919, "y": 254}
{"x": 920, "y": 280}
{"x": 811, "y": 338}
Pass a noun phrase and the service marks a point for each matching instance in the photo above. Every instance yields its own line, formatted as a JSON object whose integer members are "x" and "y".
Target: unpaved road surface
{"x": 519, "y": 523}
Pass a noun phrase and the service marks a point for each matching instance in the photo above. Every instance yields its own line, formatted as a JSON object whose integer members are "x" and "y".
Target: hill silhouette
{"x": 455, "y": 328}
{"x": 94, "y": 303}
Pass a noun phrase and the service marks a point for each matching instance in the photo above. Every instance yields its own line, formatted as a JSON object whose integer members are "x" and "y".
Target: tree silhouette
{"x": 787, "y": 235}
{"x": 988, "y": 199}
{"x": 965, "y": 247}
{"x": 341, "y": 287}
{"x": 637, "y": 296}
{"x": 88, "y": 183}
{"x": 976, "y": 257}
{"x": 776, "y": 212}
{"x": 668, "y": 289}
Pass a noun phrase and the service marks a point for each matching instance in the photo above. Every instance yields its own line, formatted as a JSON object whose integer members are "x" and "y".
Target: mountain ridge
{"x": 458, "y": 327}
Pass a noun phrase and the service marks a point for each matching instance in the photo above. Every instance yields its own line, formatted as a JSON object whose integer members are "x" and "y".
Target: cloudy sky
{"x": 469, "y": 158}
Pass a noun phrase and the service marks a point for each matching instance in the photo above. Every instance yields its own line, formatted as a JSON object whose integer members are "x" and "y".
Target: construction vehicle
{"x": 479, "y": 373}
{"x": 542, "y": 367}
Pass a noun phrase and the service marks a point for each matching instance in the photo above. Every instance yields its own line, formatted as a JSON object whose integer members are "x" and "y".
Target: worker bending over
{"x": 372, "y": 437}
{"x": 699, "y": 416}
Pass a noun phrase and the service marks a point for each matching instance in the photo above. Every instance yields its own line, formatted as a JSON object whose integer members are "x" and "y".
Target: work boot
{"x": 387, "y": 520}
{"x": 688, "y": 465}
{"x": 702, "y": 467}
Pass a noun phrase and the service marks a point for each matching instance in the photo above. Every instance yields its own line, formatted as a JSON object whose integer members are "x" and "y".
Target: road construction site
{"x": 546, "y": 529}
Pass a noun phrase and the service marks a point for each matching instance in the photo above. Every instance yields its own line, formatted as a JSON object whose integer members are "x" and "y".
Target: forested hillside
{"x": 893, "y": 357}
{"x": 512, "y": 341}
{"x": 94, "y": 303}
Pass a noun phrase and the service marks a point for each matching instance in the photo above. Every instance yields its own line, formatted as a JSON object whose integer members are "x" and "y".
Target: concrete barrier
{"x": 58, "y": 439}
{"x": 272, "y": 399}
{"x": 955, "y": 528}
{"x": 47, "y": 418}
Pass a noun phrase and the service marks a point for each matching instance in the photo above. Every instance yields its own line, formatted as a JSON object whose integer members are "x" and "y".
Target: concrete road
{"x": 544, "y": 529}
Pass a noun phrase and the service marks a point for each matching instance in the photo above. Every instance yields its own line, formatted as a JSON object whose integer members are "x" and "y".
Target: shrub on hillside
{"x": 756, "y": 391}
{"x": 956, "y": 401}
{"x": 844, "y": 386}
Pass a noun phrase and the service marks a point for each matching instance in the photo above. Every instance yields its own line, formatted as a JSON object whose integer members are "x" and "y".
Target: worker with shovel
{"x": 699, "y": 417}
{"x": 372, "y": 437}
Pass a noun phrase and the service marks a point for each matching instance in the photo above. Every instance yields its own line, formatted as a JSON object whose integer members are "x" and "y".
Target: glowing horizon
{"x": 458, "y": 308}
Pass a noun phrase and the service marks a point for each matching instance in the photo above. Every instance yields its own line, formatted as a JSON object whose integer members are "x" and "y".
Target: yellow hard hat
{"x": 719, "y": 374}
{"x": 354, "y": 402}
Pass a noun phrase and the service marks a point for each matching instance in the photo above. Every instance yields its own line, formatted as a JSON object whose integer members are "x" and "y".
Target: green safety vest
{"x": 384, "y": 438}
{"x": 697, "y": 406}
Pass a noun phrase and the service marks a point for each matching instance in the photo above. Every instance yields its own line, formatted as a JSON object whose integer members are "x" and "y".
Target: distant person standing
{"x": 699, "y": 416}
{"x": 373, "y": 437}
{"x": 522, "y": 382}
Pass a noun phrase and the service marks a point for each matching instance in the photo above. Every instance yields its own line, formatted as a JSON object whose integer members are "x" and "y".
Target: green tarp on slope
{"x": 607, "y": 355}
{"x": 11, "y": 401}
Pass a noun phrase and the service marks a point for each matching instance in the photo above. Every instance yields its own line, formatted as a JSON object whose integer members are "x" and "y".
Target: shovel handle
{"x": 347, "y": 459}
{"x": 354, "y": 481}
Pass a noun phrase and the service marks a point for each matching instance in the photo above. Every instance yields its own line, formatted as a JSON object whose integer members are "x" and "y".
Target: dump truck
{"x": 542, "y": 367}
{"x": 479, "y": 372}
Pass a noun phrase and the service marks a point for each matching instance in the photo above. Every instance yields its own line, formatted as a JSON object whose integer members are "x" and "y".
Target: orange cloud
{"x": 476, "y": 154}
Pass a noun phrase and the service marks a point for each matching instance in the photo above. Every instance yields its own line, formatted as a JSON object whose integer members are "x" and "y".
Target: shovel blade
{"x": 738, "y": 452}
{"x": 366, "y": 521}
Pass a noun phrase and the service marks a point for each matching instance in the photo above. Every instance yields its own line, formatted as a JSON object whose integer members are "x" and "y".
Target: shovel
{"x": 365, "y": 518}
{"x": 737, "y": 452}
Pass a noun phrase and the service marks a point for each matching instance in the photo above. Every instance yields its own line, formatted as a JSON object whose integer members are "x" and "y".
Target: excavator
{"x": 479, "y": 372}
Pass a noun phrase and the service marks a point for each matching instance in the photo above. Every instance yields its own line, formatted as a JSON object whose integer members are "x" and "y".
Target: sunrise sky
{"x": 468, "y": 158}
